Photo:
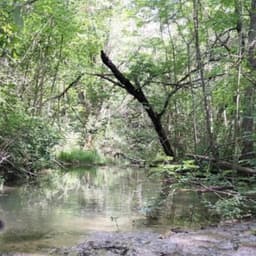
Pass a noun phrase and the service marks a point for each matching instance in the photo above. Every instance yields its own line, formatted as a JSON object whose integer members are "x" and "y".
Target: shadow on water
{"x": 63, "y": 207}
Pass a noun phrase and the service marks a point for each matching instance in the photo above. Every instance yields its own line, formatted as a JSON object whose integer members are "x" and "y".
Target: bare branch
{"x": 178, "y": 86}
{"x": 166, "y": 103}
{"x": 106, "y": 77}
{"x": 182, "y": 85}
{"x": 29, "y": 2}
{"x": 72, "y": 84}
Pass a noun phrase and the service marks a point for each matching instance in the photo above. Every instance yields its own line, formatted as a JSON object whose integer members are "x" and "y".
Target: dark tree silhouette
{"x": 139, "y": 95}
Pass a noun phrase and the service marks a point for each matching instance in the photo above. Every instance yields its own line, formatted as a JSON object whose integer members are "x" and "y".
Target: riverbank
{"x": 225, "y": 240}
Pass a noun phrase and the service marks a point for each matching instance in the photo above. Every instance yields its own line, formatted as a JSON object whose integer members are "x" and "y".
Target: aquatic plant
{"x": 79, "y": 157}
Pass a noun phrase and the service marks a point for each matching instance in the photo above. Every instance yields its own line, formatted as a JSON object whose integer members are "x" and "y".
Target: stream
{"x": 63, "y": 209}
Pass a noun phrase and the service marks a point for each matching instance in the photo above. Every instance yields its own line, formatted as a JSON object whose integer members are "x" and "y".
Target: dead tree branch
{"x": 138, "y": 94}
{"x": 72, "y": 84}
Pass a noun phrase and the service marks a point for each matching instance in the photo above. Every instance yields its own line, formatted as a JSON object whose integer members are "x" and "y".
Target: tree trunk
{"x": 248, "y": 125}
{"x": 156, "y": 120}
{"x": 207, "y": 105}
{"x": 193, "y": 100}
{"x": 139, "y": 95}
{"x": 247, "y": 121}
{"x": 241, "y": 49}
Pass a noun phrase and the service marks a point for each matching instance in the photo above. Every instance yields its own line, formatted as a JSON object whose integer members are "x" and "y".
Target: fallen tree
{"x": 222, "y": 164}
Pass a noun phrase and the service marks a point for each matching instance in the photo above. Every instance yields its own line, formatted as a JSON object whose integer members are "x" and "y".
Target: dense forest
{"x": 137, "y": 80}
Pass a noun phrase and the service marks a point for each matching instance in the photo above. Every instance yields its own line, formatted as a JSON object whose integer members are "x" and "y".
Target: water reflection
{"x": 62, "y": 207}
{"x": 183, "y": 208}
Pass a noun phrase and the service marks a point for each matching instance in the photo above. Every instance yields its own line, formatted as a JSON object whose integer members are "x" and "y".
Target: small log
{"x": 224, "y": 164}
{"x": 214, "y": 189}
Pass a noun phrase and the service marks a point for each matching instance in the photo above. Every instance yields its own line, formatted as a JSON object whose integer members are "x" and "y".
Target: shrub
{"x": 27, "y": 140}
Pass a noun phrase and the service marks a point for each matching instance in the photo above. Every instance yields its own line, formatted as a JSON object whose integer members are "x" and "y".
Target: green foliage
{"x": 8, "y": 33}
{"x": 46, "y": 43}
{"x": 27, "y": 140}
{"x": 79, "y": 157}
{"x": 230, "y": 208}
{"x": 187, "y": 166}
{"x": 160, "y": 158}
{"x": 30, "y": 140}
{"x": 233, "y": 197}
{"x": 143, "y": 67}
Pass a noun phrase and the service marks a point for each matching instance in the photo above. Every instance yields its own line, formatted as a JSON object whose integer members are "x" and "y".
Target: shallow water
{"x": 62, "y": 208}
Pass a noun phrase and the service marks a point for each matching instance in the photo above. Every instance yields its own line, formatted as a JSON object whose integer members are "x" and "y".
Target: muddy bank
{"x": 226, "y": 240}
